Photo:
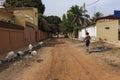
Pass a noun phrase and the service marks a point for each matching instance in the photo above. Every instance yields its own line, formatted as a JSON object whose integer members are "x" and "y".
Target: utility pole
{"x": 94, "y": 9}
{"x": 84, "y": 12}
{"x": 84, "y": 18}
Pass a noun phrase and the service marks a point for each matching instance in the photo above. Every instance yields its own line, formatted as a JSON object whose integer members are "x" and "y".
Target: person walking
{"x": 87, "y": 41}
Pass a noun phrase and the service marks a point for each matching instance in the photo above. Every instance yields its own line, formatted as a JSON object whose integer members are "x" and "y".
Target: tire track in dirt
{"x": 58, "y": 68}
{"x": 96, "y": 72}
{"x": 81, "y": 70}
{"x": 63, "y": 61}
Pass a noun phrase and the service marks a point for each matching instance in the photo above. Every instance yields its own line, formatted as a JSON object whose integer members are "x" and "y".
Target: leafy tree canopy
{"x": 27, "y": 3}
{"x": 54, "y": 20}
{"x": 95, "y": 16}
{"x": 74, "y": 20}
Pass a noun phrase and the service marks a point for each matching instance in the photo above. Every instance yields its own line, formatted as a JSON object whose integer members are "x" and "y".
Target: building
{"x": 107, "y": 28}
{"x": 24, "y": 16}
{"x": 27, "y": 17}
{"x": 19, "y": 28}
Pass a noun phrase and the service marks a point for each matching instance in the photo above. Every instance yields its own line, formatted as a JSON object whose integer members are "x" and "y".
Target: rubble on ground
{"x": 32, "y": 51}
{"x": 99, "y": 49}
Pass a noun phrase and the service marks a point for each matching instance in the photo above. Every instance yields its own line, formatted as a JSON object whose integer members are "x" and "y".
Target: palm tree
{"x": 80, "y": 16}
{"x": 95, "y": 16}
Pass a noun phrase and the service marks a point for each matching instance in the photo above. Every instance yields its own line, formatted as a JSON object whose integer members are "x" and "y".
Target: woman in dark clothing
{"x": 87, "y": 41}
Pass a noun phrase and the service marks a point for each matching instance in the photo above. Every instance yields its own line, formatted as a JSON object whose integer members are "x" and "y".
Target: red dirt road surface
{"x": 62, "y": 61}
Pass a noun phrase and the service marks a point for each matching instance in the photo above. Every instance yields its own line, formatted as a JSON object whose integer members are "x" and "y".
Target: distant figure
{"x": 87, "y": 40}
{"x": 30, "y": 46}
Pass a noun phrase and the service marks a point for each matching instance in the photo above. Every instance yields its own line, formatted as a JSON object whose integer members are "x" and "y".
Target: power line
{"x": 84, "y": 11}
{"x": 93, "y": 3}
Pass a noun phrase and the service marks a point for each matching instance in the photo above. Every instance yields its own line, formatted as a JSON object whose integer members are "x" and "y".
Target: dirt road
{"x": 61, "y": 61}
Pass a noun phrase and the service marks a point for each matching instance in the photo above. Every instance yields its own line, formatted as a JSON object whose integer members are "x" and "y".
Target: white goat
{"x": 30, "y": 46}
{"x": 10, "y": 55}
{"x": 34, "y": 53}
{"x": 41, "y": 43}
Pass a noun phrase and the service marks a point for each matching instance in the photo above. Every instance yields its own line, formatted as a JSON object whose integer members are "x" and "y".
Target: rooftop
{"x": 108, "y": 17}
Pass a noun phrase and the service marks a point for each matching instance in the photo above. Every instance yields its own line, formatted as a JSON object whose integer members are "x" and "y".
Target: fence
{"x": 11, "y": 39}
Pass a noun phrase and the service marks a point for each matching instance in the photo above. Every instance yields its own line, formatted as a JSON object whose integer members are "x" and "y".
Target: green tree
{"x": 27, "y": 3}
{"x": 95, "y": 16}
{"x": 54, "y": 20}
{"x": 41, "y": 22}
{"x": 74, "y": 20}
{"x": 80, "y": 16}
{"x": 70, "y": 17}
{"x": 77, "y": 18}
{"x": 64, "y": 25}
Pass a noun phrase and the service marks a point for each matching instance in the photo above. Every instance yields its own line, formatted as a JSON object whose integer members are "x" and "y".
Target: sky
{"x": 60, "y": 7}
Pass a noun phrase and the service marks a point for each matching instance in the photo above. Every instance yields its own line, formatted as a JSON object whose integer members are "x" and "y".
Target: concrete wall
{"x": 4, "y": 41}
{"x": 11, "y": 39}
{"x": 16, "y": 38}
{"x": 91, "y": 30}
{"x": 19, "y": 20}
{"x": 35, "y": 16}
{"x": 5, "y": 17}
{"x": 20, "y": 16}
{"x": 107, "y": 30}
{"x": 26, "y": 14}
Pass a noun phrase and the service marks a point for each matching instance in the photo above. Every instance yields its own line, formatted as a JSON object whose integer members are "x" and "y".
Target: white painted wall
{"x": 2, "y": 3}
{"x": 91, "y": 30}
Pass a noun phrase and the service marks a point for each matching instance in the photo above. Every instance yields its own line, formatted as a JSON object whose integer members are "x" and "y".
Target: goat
{"x": 10, "y": 56}
{"x": 33, "y": 53}
{"x": 30, "y": 46}
{"x": 20, "y": 54}
{"x": 41, "y": 43}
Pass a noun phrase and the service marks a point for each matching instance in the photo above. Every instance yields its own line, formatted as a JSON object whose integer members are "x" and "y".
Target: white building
{"x": 2, "y": 3}
{"x": 90, "y": 29}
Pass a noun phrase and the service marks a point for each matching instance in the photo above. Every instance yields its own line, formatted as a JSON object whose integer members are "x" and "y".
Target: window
{"x": 35, "y": 14}
{"x": 107, "y": 27}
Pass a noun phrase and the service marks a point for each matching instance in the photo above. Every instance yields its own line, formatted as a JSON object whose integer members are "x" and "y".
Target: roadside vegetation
{"x": 77, "y": 18}
{"x": 72, "y": 21}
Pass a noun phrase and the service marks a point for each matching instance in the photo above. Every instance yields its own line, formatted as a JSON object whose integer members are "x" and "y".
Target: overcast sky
{"x": 59, "y": 7}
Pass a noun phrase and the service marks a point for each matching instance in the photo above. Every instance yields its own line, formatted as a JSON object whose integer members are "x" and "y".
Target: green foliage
{"x": 95, "y": 16}
{"x": 41, "y": 22}
{"x": 74, "y": 20}
{"x": 75, "y": 31}
{"x": 54, "y": 20}
{"x": 80, "y": 16}
{"x": 63, "y": 25}
{"x": 27, "y": 3}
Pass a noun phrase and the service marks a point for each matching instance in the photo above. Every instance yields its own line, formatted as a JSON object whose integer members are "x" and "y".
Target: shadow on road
{"x": 53, "y": 42}
{"x": 4, "y": 66}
